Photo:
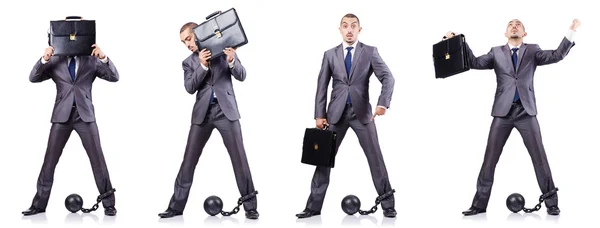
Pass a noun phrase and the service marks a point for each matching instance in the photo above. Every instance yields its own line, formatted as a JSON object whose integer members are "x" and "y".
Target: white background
{"x": 433, "y": 137}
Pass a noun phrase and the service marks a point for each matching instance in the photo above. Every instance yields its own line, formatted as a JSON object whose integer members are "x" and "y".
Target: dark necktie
{"x": 72, "y": 72}
{"x": 348, "y": 62}
{"x": 514, "y": 60}
{"x": 72, "y": 68}
{"x": 212, "y": 95}
{"x": 212, "y": 90}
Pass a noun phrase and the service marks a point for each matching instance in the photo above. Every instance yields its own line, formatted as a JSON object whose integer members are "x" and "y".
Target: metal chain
{"x": 98, "y": 200}
{"x": 542, "y": 198}
{"x": 240, "y": 201}
{"x": 377, "y": 202}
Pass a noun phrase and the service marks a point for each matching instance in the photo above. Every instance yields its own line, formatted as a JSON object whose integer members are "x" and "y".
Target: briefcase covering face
{"x": 319, "y": 147}
{"x": 72, "y": 37}
{"x": 220, "y": 30}
{"x": 450, "y": 57}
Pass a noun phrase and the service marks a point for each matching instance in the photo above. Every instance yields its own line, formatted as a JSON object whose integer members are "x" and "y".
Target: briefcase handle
{"x": 73, "y": 18}
{"x": 213, "y": 14}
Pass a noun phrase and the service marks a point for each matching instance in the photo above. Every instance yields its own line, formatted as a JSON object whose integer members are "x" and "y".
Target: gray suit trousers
{"x": 232, "y": 138}
{"x": 500, "y": 129}
{"x": 59, "y": 135}
{"x": 367, "y": 137}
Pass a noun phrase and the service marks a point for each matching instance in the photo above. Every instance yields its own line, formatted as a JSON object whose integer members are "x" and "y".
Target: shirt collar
{"x": 345, "y": 45}
{"x": 511, "y": 47}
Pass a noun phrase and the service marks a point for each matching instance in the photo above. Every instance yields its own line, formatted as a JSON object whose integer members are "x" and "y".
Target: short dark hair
{"x": 350, "y": 15}
{"x": 188, "y": 25}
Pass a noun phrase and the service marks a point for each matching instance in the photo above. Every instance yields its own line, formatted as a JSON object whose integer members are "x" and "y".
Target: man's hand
{"x": 576, "y": 23}
{"x": 449, "y": 35}
{"x": 378, "y": 112}
{"x": 230, "y": 52}
{"x": 98, "y": 52}
{"x": 321, "y": 123}
{"x": 49, "y": 52}
{"x": 204, "y": 57}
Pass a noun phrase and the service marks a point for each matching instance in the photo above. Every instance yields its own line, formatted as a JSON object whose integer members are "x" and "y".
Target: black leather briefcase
{"x": 220, "y": 30}
{"x": 319, "y": 147}
{"x": 450, "y": 57}
{"x": 72, "y": 36}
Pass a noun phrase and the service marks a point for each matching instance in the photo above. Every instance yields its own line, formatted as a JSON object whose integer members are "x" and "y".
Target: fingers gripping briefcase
{"x": 72, "y": 36}
{"x": 319, "y": 147}
{"x": 220, "y": 30}
{"x": 450, "y": 57}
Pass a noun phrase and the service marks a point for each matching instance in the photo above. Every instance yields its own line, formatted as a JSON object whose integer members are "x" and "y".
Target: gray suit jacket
{"x": 529, "y": 57}
{"x": 366, "y": 61}
{"x": 218, "y": 77}
{"x": 57, "y": 69}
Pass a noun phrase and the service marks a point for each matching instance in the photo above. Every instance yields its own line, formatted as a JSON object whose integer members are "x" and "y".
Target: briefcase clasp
{"x": 316, "y": 146}
{"x": 72, "y": 37}
{"x": 218, "y": 34}
{"x": 447, "y": 56}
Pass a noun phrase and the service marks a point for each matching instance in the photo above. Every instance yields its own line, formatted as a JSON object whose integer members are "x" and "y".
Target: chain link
{"x": 240, "y": 201}
{"x": 541, "y": 200}
{"x": 377, "y": 202}
{"x": 98, "y": 200}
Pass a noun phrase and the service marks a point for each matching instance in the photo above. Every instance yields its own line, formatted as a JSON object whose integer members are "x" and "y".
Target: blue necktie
{"x": 212, "y": 95}
{"x": 514, "y": 60}
{"x": 72, "y": 72}
{"x": 72, "y": 68}
{"x": 348, "y": 62}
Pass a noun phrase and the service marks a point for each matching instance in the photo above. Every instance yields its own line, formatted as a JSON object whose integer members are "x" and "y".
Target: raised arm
{"x": 193, "y": 76}
{"x": 235, "y": 66}
{"x": 482, "y": 62}
{"x": 105, "y": 69}
{"x": 40, "y": 73}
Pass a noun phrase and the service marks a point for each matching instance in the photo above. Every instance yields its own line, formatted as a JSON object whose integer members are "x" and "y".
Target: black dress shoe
{"x": 32, "y": 211}
{"x": 473, "y": 211}
{"x": 390, "y": 213}
{"x": 110, "y": 211}
{"x": 553, "y": 210}
{"x": 307, "y": 213}
{"x": 170, "y": 213}
{"x": 252, "y": 214}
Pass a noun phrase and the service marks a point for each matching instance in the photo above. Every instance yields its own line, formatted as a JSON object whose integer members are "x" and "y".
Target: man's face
{"x": 188, "y": 38}
{"x": 349, "y": 28}
{"x": 515, "y": 29}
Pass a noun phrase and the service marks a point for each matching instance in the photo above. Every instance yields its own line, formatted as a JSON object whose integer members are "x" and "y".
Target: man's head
{"x": 350, "y": 28}
{"x": 187, "y": 36}
{"x": 515, "y": 30}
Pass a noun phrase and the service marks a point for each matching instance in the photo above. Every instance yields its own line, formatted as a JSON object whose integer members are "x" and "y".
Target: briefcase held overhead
{"x": 319, "y": 147}
{"x": 220, "y": 30}
{"x": 450, "y": 57}
{"x": 72, "y": 36}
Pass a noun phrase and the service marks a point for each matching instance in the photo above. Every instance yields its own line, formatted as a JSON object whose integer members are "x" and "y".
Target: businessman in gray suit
{"x": 215, "y": 107}
{"x": 350, "y": 65}
{"x": 514, "y": 107}
{"x": 73, "y": 110}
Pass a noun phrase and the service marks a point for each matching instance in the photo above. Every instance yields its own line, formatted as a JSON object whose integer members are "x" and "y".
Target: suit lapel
{"x": 340, "y": 56}
{"x": 355, "y": 58}
{"x": 522, "y": 51}
{"x": 81, "y": 62}
{"x": 508, "y": 57}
